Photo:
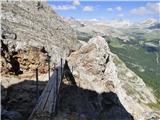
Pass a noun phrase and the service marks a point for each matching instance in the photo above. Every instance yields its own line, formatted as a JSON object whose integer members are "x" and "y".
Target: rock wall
{"x": 96, "y": 68}
{"x": 23, "y": 61}
{"x": 35, "y": 24}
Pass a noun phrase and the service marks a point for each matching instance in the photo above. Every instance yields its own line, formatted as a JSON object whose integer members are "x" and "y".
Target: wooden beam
{"x": 48, "y": 102}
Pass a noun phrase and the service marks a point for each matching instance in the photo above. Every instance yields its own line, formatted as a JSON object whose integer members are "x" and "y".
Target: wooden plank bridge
{"x": 47, "y": 105}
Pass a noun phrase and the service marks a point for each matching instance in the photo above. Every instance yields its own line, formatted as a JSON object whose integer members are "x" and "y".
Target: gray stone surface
{"x": 96, "y": 68}
{"x": 34, "y": 23}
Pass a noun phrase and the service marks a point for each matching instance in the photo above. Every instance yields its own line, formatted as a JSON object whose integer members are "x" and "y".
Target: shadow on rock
{"x": 87, "y": 104}
{"x": 19, "y": 99}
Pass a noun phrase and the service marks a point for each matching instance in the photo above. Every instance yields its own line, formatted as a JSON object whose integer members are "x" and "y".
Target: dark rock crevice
{"x": 10, "y": 58}
{"x": 23, "y": 60}
{"x": 68, "y": 74}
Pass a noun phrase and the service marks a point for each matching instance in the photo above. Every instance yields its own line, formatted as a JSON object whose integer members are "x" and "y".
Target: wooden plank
{"x": 49, "y": 98}
{"x": 42, "y": 98}
{"x": 46, "y": 93}
{"x": 51, "y": 95}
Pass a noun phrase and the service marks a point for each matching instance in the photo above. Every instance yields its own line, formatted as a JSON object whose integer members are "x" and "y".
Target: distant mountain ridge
{"x": 121, "y": 29}
{"x": 119, "y": 23}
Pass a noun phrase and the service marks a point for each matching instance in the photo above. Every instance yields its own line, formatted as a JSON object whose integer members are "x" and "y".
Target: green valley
{"x": 143, "y": 60}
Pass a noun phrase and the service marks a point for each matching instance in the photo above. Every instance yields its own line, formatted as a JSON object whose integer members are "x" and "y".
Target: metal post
{"x": 57, "y": 81}
{"x": 61, "y": 68}
{"x": 48, "y": 67}
{"x": 37, "y": 85}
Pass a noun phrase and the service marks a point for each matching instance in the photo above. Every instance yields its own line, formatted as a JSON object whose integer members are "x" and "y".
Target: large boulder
{"x": 93, "y": 64}
{"x": 96, "y": 68}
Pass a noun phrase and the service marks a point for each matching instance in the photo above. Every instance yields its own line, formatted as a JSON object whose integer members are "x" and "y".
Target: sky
{"x": 134, "y": 11}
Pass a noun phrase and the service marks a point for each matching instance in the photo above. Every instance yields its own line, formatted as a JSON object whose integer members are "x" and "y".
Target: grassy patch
{"x": 116, "y": 44}
{"x": 117, "y": 61}
{"x": 137, "y": 55}
{"x": 129, "y": 89}
{"x": 155, "y": 106}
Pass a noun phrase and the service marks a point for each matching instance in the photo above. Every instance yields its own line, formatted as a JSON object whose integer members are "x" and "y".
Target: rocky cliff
{"x": 34, "y": 26}
{"x": 30, "y": 32}
{"x": 96, "y": 68}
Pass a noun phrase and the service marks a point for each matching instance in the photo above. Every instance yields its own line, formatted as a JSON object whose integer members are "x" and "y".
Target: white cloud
{"x": 119, "y": 8}
{"x": 109, "y": 9}
{"x": 153, "y": 7}
{"x": 88, "y": 8}
{"x": 72, "y": 6}
{"x": 120, "y": 15}
{"x": 139, "y": 11}
{"x": 76, "y": 2}
{"x": 149, "y": 8}
{"x": 63, "y": 7}
{"x": 94, "y": 19}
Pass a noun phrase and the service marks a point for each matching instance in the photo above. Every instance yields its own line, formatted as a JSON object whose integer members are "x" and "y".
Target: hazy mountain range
{"x": 119, "y": 23}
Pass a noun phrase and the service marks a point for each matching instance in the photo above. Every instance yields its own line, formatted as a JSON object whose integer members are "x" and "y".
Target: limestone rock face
{"x": 89, "y": 63}
{"x": 96, "y": 68}
{"x": 35, "y": 24}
